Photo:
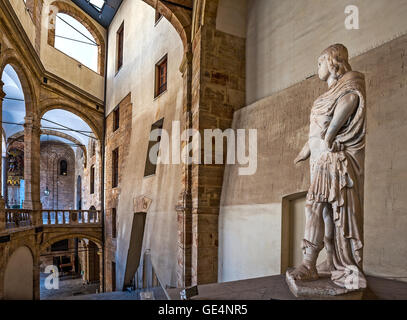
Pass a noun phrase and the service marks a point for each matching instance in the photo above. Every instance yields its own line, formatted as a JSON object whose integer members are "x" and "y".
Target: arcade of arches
{"x": 80, "y": 95}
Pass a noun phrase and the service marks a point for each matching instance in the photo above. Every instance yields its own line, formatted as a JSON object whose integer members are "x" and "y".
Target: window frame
{"x": 115, "y": 168}
{"x": 60, "y": 167}
{"x": 116, "y": 118}
{"x": 159, "y": 88}
{"x": 114, "y": 223}
{"x": 92, "y": 180}
{"x": 148, "y": 171}
{"x": 120, "y": 48}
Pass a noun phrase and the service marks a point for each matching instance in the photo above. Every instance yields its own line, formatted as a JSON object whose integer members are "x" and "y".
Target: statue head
{"x": 333, "y": 62}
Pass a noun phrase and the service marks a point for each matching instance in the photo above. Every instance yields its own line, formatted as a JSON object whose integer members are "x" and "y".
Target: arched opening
{"x": 72, "y": 32}
{"x": 13, "y": 114}
{"x": 74, "y": 39}
{"x": 19, "y": 275}
{"x": 63, "y": 168}
{"x": 77, "y": 260}
{"x": 65, "y": 175}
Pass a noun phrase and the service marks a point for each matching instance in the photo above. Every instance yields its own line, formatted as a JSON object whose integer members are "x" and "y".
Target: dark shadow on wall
{"x": 135, "y": 247}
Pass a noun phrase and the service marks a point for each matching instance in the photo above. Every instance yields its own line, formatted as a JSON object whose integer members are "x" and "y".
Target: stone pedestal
{"x": 321, "y": 289}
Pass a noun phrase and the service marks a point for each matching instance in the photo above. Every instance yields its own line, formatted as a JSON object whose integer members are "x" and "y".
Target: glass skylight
{"x": 98, "y": 4}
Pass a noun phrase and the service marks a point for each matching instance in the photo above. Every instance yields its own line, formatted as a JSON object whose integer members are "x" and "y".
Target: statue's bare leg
{"x": 312, "y": 243}
{"x": 327, "y": 266}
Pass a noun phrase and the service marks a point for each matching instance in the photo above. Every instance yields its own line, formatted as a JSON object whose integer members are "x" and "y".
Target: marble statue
{"x": 334, "y": 203}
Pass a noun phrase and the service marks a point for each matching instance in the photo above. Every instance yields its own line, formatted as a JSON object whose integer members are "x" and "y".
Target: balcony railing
{"x": 20, "y": 218}
{"x": 71, "y": 217}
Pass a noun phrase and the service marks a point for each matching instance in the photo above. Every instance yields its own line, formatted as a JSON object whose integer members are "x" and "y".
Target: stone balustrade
{"x": 11, "y": 219}
{"x": 71, "y": 217}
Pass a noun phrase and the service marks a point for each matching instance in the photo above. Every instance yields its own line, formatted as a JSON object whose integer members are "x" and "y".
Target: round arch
{"x": 56, "y": 104}
{"x": 55, "y": 239}
{"x": 19, "y": 275}
{"x": 9, "y": 58}
{"x": 64, "y": 7}
{"x": 179, "y": 16}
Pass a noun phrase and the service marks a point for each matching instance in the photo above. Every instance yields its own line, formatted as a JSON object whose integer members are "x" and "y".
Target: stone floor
{"x": 275, "y": 288}
{"x": 69, "y": 287}
{"x": 121, "y": 295}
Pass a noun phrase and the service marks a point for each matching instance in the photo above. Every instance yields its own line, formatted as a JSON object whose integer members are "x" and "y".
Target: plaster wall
{"x": 251, "y": 215}
{"x": 25, "y": 18}
{"x": 284, "y": 38}
{"x": 144, "y": 45}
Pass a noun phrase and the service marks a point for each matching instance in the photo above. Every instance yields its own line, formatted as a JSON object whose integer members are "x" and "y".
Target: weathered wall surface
{"x": 144, "y": 45}
{"x": 284, "y": 38}
{"x": 61, "y": 187}
{"x": 26, "y": 18}
{"x": 251, "y": 212}
{"x": 115, "y": 139}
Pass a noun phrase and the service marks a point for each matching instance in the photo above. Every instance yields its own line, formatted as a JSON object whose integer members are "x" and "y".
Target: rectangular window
{"x": 161, "y": 76}
{"x": 116, "y": 118}
{"x": 113, "y": 223}
{"x": 113, "y": 276}
{"x": 92, "y": 180}
{"x": 115, "y": 168}
{"x": 151, "y": 163}
{"x": 120, "y": 42}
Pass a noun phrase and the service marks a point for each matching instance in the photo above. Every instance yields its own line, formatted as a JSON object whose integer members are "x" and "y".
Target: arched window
{"x": 63, "y": 168}
{"x": 73, "y": 39}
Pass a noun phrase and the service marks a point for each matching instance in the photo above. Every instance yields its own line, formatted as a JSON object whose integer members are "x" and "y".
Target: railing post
{"x": 36, "y": 219}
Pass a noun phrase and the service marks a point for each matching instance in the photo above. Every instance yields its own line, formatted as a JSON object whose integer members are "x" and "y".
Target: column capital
{"x": 31, "y": 122}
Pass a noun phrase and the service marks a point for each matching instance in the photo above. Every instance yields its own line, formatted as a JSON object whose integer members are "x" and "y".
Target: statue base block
{"x": 321, "y": 289}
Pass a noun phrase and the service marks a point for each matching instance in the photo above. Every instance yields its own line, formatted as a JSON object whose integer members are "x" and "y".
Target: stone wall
{"x": 61, "y": 187}
{"x": 115, "y": 139}
{"x": 252, "y": 215}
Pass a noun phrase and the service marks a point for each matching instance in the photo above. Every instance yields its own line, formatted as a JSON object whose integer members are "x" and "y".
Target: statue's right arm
{"x": 304, "y": 154}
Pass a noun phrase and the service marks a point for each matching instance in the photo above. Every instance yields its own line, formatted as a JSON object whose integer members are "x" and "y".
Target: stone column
{"x": 218, "y": 89}
{"x": 2, "y": 203}
{"x": 4, "y": 175}
{"x": 101, "y": 280}
{"x": 32, "y": 134}
{"x": 184, "y": 206}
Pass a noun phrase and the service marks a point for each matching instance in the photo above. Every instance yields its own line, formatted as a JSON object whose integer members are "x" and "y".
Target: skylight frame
{"x": 96, "y": 7}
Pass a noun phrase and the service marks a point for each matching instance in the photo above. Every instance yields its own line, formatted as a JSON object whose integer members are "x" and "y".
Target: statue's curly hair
{"x": 337, "y": 58}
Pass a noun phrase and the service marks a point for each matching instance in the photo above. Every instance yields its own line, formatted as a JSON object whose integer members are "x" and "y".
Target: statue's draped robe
{"x": 337, "y": 178}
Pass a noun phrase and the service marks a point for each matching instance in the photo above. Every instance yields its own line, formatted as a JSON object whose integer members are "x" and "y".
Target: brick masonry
{"x": 61, "y": 187}
{"x": 115, "y": 139}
